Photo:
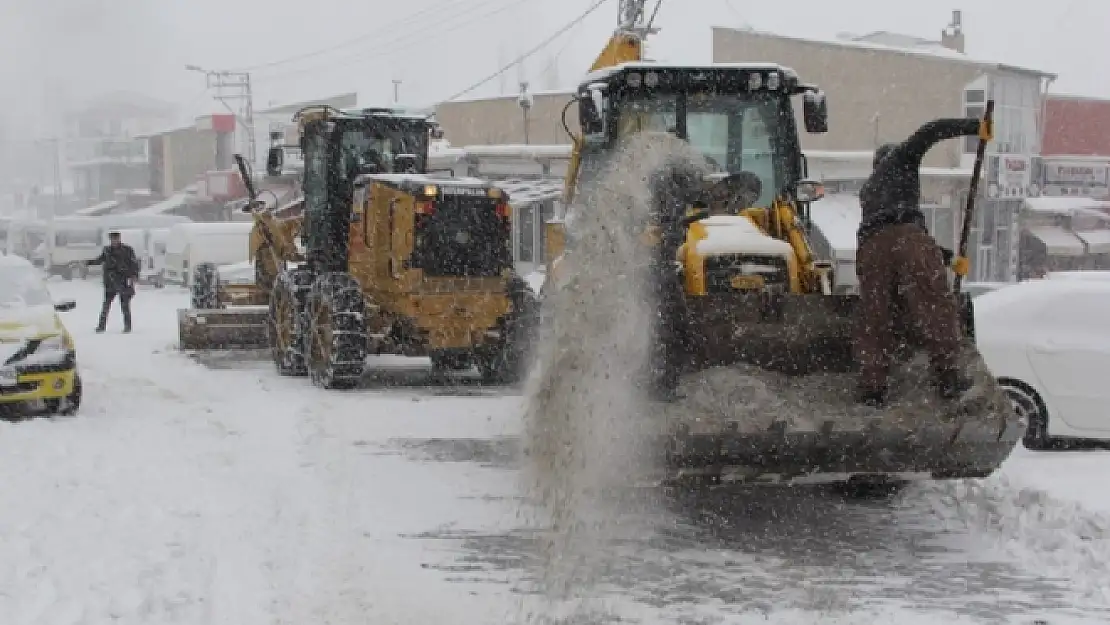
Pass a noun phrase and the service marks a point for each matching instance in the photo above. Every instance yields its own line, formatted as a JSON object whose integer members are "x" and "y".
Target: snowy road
{"x": 201, "y": 495}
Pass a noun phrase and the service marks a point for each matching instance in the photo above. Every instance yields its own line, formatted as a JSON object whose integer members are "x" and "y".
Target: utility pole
{"x": 396, "y": 91}
{"x": 234, "y": 87}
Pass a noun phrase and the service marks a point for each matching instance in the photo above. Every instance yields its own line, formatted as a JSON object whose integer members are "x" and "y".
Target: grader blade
{"x": 242, "y": 327}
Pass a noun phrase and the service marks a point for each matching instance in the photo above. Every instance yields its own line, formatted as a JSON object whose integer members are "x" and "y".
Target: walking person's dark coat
{"x": 898, "y": 262}
{"x": 121, "y": 270}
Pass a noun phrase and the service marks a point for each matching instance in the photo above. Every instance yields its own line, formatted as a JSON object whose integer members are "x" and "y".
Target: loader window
{"x": 658, "y": 114}
{"x": 744, "y": 133}
{"x": 373, "y": 146}
{"x": 735, "y": 131}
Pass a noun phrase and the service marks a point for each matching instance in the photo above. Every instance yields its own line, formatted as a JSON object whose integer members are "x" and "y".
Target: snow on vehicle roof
{"x": 1033, "y": 293}
{"x": 837, "y": 216}
{"x": 730, "y": 234}
{"x": 606, "y": 72}
{"x": 11, "y": 261}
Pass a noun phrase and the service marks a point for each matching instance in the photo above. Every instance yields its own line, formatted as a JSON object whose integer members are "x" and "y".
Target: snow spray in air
{"x": 586, "y": 420}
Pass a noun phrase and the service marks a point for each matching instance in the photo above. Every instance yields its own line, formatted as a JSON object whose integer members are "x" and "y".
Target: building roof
{"x": 1076, "y": 126}
{"x": 564, "y": 93}
{"x": 931, "y": 50}
{"x": 341, "y": 101}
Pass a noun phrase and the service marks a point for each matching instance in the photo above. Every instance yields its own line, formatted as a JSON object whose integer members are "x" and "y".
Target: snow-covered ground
{"x": 186, "y": 493}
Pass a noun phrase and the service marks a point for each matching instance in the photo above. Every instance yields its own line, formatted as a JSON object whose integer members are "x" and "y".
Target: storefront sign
{"x": 1014, "y": 177}
{"x": 1093, "y": 174}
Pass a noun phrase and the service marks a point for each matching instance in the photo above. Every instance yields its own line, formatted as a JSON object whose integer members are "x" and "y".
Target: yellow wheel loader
{"x": 396, "y": 262}
{"x": 737, "y": 289}
{"x": 228, "y": 314}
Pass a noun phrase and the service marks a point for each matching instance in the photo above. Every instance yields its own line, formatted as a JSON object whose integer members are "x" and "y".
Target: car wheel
{"x": 1029, "y": 406}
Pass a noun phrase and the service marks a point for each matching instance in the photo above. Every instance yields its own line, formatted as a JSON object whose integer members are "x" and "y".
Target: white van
{"x": 222, "y": 243}
{"x": 154, "y": 265}
{"x": 70, "y": 243}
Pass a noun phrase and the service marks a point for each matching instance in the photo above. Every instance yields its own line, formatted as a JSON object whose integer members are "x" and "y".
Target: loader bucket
{"x": 242, "y": 327}
{"x": 767, "y": 395}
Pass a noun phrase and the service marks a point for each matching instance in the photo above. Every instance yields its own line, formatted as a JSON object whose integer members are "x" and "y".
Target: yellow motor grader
{"x": 736, "y": 282}
{"x": 396, "y": 261}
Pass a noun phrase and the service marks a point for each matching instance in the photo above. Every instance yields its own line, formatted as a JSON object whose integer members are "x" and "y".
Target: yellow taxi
{"x": 38, "y": 362}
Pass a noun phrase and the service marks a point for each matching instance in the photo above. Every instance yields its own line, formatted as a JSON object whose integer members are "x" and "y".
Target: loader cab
{"x": 340, "y": 146}
{"x": 739, "y": 117}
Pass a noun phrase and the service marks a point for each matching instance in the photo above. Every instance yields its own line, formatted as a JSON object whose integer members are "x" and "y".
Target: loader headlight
{"x": 774, "y": 81}
{"x": 634, "y": 80}
{"x": 755, "y": 81}
{"x": 52, "y": 344}
{"x": 651, "y": 79}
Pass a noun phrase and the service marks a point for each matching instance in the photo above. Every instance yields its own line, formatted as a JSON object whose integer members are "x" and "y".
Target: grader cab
{"x": 396, "y": 261}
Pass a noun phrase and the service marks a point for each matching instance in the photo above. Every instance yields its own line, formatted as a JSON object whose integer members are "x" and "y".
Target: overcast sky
{"x": 54, "y": 52}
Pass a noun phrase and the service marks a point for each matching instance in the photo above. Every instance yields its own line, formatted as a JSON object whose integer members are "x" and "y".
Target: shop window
{"x": 971, "y": 144}
{"x": 975, "y": 96}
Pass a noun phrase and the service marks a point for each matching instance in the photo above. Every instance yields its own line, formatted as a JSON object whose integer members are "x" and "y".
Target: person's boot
{"x": 951, "y": 384}
{"x": 127, "y": 329}
{"x": 100, "y": 329}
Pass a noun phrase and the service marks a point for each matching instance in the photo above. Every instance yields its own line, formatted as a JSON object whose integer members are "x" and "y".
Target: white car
{"x": 1048, "y": 344}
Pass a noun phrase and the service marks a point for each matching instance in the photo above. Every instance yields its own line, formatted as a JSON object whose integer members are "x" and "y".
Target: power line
{"x": 353, "y": 41}
{"x": 534, "y": 50}
{"x": 388, "y": 46}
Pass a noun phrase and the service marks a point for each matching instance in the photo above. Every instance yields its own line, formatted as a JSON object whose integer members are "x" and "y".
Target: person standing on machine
{"x": 897, "y": 258}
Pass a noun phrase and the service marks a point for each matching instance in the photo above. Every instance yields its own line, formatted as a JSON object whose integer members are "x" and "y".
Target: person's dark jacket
{"x": 120, "y": 266}
{"x": 892, "y": 194}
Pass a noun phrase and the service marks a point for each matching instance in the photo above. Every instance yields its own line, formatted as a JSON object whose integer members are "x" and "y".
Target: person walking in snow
{"x": 121, "y": 270}
{"x": 898, "y": 262}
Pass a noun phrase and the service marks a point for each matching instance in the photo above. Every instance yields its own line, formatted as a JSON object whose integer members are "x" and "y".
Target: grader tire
{"x": 506, "y": 362}
{"x": 337, "y": 331}
{"x": 205, "y": 293}
{"x": 286, "y": 326}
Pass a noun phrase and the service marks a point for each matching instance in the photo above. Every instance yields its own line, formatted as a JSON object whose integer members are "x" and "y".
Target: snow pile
{"x": 1053, "y": 536}
{"x": 585, "y": 415}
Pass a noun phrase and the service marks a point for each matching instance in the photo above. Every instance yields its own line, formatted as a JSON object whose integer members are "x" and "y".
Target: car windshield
{"x": 21, "y": 287}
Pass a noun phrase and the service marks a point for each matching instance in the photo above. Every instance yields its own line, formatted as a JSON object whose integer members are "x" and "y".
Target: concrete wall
{"x": 185, "y": 154}
{"x": 500, "y": 120}
{"x": 875, "y": 95}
